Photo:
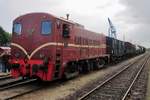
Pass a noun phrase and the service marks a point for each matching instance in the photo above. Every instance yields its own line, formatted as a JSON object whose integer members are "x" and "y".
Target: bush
{"x": 4, "y": 37}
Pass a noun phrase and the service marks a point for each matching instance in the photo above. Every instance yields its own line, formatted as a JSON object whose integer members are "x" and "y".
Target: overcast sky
{"x": 130, "y": 17}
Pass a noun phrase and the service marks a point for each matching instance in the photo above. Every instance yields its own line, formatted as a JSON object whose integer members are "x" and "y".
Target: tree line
{"x": 5, "y": 37}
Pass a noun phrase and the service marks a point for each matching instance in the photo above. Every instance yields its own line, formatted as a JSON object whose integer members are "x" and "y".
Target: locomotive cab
{"x": 37, "y": 45}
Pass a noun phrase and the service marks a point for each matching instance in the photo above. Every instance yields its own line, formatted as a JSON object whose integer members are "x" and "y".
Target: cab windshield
{"x": 46, "y": 27}
{"x": 17, "y": 28}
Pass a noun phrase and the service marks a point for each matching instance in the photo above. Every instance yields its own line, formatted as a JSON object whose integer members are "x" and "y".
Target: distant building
{"x": 4, "y": 51}
{"x": 4, "y": 56}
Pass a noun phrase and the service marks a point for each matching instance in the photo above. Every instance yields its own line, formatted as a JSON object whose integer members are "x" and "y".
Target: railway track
{"x": 138, "y": 89}
{"x": 117, "y": 86}
{"x": 134, "y": 81}
{"x": 9, "y": 81}
{"x": 13, "y": 83}
{"x": 5, "y": 77}
{"x": 18, "y": 89}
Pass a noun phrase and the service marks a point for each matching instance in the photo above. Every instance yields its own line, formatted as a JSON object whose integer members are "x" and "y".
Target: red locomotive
{"x": 49, "y": 48}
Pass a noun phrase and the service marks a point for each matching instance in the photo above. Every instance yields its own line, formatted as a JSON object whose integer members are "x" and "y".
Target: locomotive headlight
{"x": 9, "y": 61}
{"x": 42, "y": 56}
{"x": 17, "y": 55}
{"x": 16, "y": 62}
{"x": 64, "y": 64}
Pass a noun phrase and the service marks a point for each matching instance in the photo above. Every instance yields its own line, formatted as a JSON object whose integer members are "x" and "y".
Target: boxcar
{"x": 115, "y": 48}
{"x": 130, "y": 49}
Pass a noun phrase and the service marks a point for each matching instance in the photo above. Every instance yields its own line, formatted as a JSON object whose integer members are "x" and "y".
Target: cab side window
{"x": 17, "y": 27}
{"x": 46, "y": 27}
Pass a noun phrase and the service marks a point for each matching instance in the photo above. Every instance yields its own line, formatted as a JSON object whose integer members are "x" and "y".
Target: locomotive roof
{"x": 38, "y": 13}
{"x": 60, "y": 18}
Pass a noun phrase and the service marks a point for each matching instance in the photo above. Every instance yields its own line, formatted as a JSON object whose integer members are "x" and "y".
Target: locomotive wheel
{"x": 91, "y": 65}
{"x": 69, "y": 73}
{"x": 87, "y": 65}
{"x": 100, "y": 63}
{"x": 23, "y": 77}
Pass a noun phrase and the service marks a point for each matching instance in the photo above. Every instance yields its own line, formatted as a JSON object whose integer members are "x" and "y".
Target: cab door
{"x": 62, "y": 37}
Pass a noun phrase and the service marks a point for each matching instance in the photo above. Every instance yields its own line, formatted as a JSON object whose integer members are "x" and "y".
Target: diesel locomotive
{"x": 49, "y": 48}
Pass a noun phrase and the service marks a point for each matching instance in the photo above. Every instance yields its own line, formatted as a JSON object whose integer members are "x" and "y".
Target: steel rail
{"x": 5, "y": 77}
{"x": 17, "y": 95}
{"x": 10, "y": 82}
{"x": 17, "y": 84}
{"x": 107, "y": 80}
{"x": 134, "y": 80}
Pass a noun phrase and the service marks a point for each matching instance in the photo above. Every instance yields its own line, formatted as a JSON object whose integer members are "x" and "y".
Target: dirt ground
{"x": 61, "y": 90}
